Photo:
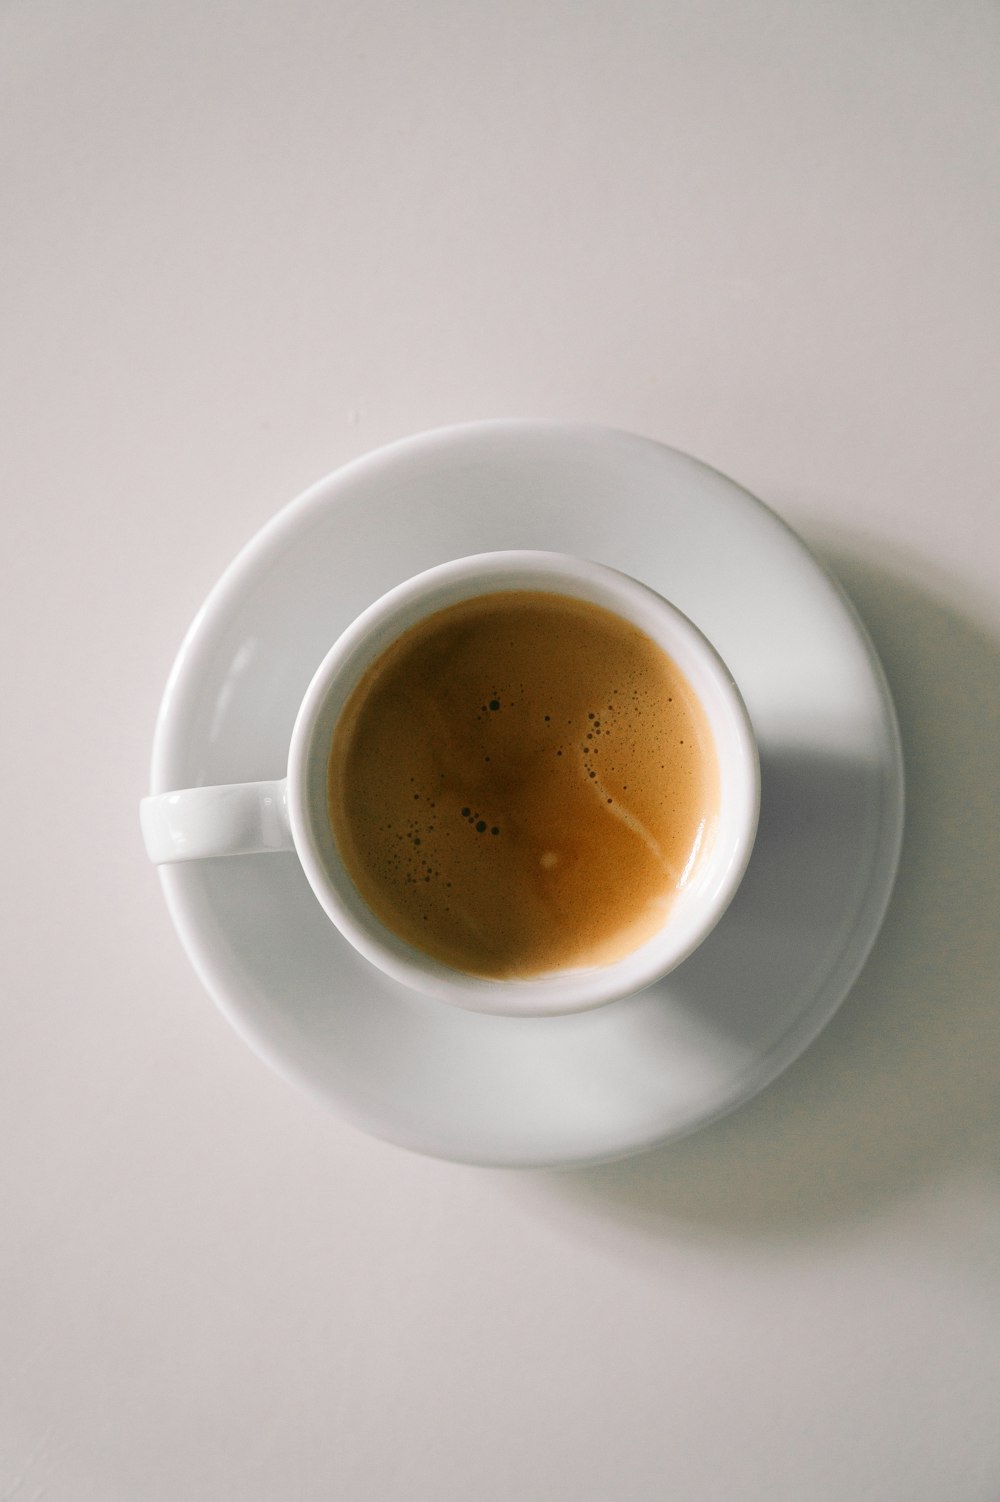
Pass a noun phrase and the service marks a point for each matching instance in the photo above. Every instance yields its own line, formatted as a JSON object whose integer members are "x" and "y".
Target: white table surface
{"x": 244, "y": 243}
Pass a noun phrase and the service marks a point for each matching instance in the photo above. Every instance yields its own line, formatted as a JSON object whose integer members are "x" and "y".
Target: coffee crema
{"x": 521, "y": 784}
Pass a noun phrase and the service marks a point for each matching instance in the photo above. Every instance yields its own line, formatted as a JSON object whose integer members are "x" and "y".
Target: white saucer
{"x": 577, "y": 1089}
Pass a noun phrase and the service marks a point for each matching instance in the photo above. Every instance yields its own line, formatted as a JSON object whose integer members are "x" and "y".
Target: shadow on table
{"x": 904, "y": 1081}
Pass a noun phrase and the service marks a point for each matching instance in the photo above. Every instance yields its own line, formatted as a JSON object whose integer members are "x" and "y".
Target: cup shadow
{"x": 903, "y": 1084}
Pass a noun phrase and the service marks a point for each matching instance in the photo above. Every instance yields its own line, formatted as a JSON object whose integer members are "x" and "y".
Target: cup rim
{"x": 562, "y": 991}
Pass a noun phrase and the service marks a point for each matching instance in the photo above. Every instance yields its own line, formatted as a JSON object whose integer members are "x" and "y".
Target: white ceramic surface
{"x": 500, "y": 1090}
{"x": 255, "y": 818}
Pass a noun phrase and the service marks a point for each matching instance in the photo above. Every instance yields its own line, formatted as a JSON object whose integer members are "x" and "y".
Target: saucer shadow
{"x": 902, "y": 1085}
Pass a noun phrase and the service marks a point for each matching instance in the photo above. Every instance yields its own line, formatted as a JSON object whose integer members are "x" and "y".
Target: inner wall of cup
{"x": 637, "y": 604}
{"x": 733, "y": 825}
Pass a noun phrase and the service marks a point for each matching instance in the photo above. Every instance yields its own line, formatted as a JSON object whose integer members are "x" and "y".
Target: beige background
{"x": 243, "y": 243}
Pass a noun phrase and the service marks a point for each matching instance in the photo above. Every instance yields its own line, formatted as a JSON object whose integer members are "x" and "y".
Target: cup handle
{"x": 237, "y": 818}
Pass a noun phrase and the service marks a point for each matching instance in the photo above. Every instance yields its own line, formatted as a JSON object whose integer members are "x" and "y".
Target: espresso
{"x": 521, "y": 783}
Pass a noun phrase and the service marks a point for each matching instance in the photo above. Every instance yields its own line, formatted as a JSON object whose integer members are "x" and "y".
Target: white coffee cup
{"x": 292, "y": 813}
